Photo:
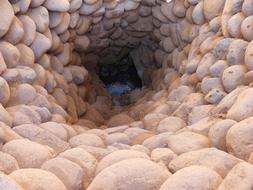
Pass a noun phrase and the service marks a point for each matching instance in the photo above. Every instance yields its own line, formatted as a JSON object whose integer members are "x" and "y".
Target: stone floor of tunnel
{"x": 126, "y": 95}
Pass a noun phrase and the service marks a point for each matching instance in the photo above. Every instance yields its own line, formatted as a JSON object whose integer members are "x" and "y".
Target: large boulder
{"x": 68, "y": 172}
{"x": 128, "y": 174}
{"x": 119, "y": 119}
{"x": 118, "y": 156}
{"x": 6, "y": 183}
{"x": 6, "y": 16}
{"x": 240, "y": 177}
{"x": 34, "y": 179}
{"x": 239, "y": 139}
{"x": 28, "y": 154}
{"x": 212, "y": 158}
{"x": 194, "y": 178}
{"x": 42, "y": 136}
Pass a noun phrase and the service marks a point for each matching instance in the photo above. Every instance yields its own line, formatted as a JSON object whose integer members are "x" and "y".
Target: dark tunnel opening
{"x": 120, "y": 77}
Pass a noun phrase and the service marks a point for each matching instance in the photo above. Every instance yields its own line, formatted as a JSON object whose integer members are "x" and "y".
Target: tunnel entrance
{"x": 120, "y": 76}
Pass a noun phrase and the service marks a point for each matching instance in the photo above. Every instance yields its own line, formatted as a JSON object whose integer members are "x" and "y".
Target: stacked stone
{"x": 191, "y": 130}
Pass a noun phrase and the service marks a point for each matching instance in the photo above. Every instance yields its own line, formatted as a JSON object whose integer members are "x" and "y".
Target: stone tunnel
{"x": 126, "y": 95}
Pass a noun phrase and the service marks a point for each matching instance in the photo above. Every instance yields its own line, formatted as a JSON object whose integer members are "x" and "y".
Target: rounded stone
{"x": 194, "y": 178}
{"x": 68, "y": 172}
{"x": 242, "y": 107}
{"x": 28, "y": 154}
{"x": 84, "y": 159}
{"x": 57, "y": 5}
{"x": 119, "y": 119}
{"x": 240, "y": 177}
{"x": 239, "y": 139}
{"x": 86, "y": 139}
{"x": 171, "y": 124}
{"x": 233, "y": 77}
{"x": 8, "y": 163}
{"x": 6, "y": 16}
{"x": 7, "y": 183}
{"x": 129, "y": 175}
{"x": 218, "y": 131}
{"x": 186, "y": 142}
{"x": 34, "y": 179}
{"x": 247, "y": 28}
{"x": 118, "y": 156}
{"x": 5, "y": 92}
{"x": 40, "y": 17}
{"x": 212, "y": 158}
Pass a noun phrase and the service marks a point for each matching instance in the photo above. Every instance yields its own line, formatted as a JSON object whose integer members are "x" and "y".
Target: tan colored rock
{"x": 162, "y": 155}
{"x": 218, "y": 131}
{"x": 57, "y": 5}
{"x": 84, "y": 159}
{"x": 56, "y": 129}
{"x": 128, "y": 174}
{"x": 198, "y": 113}
{"x": 97, "y": 152}
{"x": 171, "y": 124}
{"x": 5, "y": 92}
{"x": 8, "y": 183}
{"x": 29, "y": 29}
{"x": 42, "y": 136}
{"x": 15, "y": 33}
{"x": 139, "y": 139}
{"x": 233, "y": 77}
{"x": 75, "y": 5}
{"x": 10, "y": 54}
{"x": 27, "y": 55}
{"x": 119, "y": 119}
{"x": 240, "y": 177}
{"x": 234, "y": 25}
{"x": 8, "y": 163}
{"x": 82, "y": 43}
{"x": 118, "y": 156}
{"x": 28, "y": 154}
{"x": 68, "y": 172}
{"x": 247, "y": 8}
{"x": 23, "y": 114}
{"x": 87, "y": 9}
{"x": 34, "y": 179}
{"x": 156, "y": 141}
{"x": 117, "y": 138}
{"x": 218, "y": 67}
{"x": 186, "y": 142}
{"x": 6, "y": 16}
{"x": 212, "y": 158}
{"x": 215, "y": 95}
{"x": 235, "y": 55}
{"x": 246, "y": 28}
{"x": 241, "y": 109}
{"x": 40, "y": 45}
{"x": 213, "y": 9}
{"x": 40, "y": 17}
{"x": 203, "y": 67}
{"x": 248, "y": 56}
{"x": 239, "y": 139}
{"x": 202, "y": 126}
{"x": 152, "y": 120}
{"x": 22, "y": 94}
{"x": 189, "y": 178}
{"x": 5, "y": 116}
{"x": 86, "y": 139}
{"x": 227, "y": 102}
